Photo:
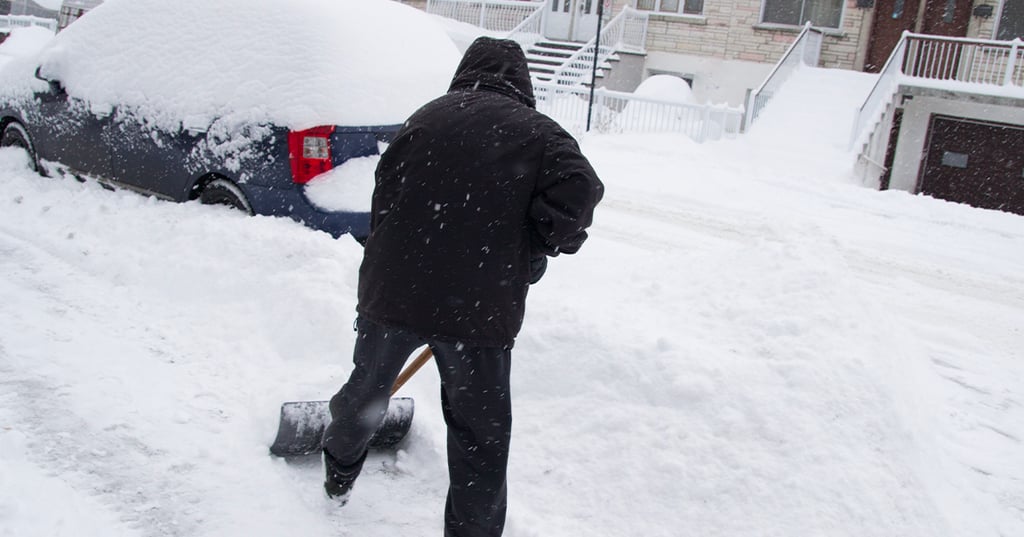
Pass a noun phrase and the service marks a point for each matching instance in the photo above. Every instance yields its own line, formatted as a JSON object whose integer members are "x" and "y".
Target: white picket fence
{"x": 618, "y": 112}
{"x": 493, "y": 15}
{"x": 9, "y": 22}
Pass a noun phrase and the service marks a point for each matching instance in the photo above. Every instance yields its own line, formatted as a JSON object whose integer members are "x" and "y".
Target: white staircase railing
{"x": 626, "y": 32}
{"x": 919, "y": 57}
{"x": 24, "y": 21}
{"x": 882, "y": 92}
{"x": 530, "y": 30}
{"x": 495, "y": 15}
{"x": 805, "y": 50}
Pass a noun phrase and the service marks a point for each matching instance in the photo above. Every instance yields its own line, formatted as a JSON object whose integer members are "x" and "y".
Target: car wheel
{"x": 15, "y": 135}
{"x": 224, "y": 192}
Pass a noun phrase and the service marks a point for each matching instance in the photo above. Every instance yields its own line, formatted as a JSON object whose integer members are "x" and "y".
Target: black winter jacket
{"x": 474, "y": 186}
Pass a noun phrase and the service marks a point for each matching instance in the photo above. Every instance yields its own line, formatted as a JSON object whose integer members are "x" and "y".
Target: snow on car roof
{"x": 298, "y": 64}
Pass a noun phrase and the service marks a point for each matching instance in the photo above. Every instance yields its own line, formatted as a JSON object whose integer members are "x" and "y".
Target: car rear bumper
{"x": 291, "y": 202}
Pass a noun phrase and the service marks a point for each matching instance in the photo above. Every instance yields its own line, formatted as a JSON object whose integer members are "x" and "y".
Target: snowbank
{"x": 25, "y": 41}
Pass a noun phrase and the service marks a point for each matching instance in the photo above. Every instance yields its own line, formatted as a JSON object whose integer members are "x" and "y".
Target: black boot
{"x": 340, "y": 478}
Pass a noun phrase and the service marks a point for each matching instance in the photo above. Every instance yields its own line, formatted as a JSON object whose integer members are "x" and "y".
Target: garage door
{"x": 975, "y": 162}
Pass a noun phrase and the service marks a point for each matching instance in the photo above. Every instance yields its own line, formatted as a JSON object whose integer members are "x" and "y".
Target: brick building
{"x": 726, "y": 46}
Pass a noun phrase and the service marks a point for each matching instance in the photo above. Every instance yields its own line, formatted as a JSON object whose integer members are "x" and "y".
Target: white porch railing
{"x": 805, "y": 50}
{"x": 495, "y": 15}
{"x": 618, "y": 112}
{"x": 24, "y": 21}
{"x": 882, "y": 92}
{"x": 920, "y": 57}
{"x": 530, "y": 30}
{"x": 626, "y": 32}
{"x": 964, "y": 60}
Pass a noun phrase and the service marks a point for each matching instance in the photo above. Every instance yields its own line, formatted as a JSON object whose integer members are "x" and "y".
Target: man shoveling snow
{"x": 472, "y": 196}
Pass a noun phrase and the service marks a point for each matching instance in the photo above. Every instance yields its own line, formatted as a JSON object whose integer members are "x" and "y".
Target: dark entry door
{"x": 975, "y": 162}
{"x": 946, "y": 17}
{"x": 893, "y": 17}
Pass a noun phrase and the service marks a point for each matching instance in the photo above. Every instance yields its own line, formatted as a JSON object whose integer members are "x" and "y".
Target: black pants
{"x": 477, "y": 408}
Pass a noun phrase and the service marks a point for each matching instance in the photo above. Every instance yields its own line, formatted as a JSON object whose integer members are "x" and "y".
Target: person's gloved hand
{"x": 538, "y": 265}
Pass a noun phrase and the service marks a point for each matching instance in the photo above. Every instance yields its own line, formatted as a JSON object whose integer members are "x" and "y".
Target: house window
{"x": 1011, "y": 21}
{"x": 680, "y": 7}
{"x": 821, "y": 13}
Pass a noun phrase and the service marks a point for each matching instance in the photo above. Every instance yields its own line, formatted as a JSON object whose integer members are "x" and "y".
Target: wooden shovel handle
{"x": 412, "y": 368}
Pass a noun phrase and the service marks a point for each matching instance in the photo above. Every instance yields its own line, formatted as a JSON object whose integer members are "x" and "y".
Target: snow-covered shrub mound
{"x": 666, "y": 88}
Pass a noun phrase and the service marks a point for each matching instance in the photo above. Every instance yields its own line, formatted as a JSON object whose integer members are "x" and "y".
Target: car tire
{"x": 224, "y": 192}
{"x": 15, "y": 135}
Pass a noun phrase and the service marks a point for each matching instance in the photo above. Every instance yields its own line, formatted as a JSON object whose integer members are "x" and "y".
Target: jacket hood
{"x": 497, "y": 65}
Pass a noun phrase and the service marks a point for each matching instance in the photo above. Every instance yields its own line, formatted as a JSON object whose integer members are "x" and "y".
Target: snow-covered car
{"x": 248, "y": 103}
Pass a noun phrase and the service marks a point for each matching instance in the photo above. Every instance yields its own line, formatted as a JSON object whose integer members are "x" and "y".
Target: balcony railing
{"x": 964, "y": 60}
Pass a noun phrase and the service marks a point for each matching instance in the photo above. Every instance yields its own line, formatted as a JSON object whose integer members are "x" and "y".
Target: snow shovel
{"x": 303, "y": 423}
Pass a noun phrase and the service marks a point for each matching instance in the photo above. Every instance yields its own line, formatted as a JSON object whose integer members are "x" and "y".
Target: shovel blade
{"x": 302, "y": 426}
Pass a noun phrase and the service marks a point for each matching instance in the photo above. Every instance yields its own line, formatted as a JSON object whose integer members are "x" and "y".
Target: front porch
{"x": 946, "y": 119}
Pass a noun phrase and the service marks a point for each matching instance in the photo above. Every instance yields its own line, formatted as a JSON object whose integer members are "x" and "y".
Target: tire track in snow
{"x": 878, "y": 268}
{"x": 738, "y": 231}
{"x": 112, "y": 465}
{"x": 883, "y": 269}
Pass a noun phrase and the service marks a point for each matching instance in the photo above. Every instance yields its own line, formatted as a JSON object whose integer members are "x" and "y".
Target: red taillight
{"x": 310, "y": 153}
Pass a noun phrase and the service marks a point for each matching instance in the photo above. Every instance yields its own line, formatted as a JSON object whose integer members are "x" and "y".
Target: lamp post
{"x": 597, "y": 52}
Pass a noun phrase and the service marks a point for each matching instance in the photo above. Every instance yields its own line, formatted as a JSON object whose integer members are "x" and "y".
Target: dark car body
{"x": 229, "y": 102}
{"x": 117, "y": 149}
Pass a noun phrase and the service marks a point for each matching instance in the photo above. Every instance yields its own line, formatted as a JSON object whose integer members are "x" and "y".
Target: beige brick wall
{"x": 729, "y": 30}
{"x": 983, "y": 28}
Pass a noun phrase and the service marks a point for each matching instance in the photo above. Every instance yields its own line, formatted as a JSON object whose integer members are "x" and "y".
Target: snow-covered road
{"x": 749, "y": 345}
